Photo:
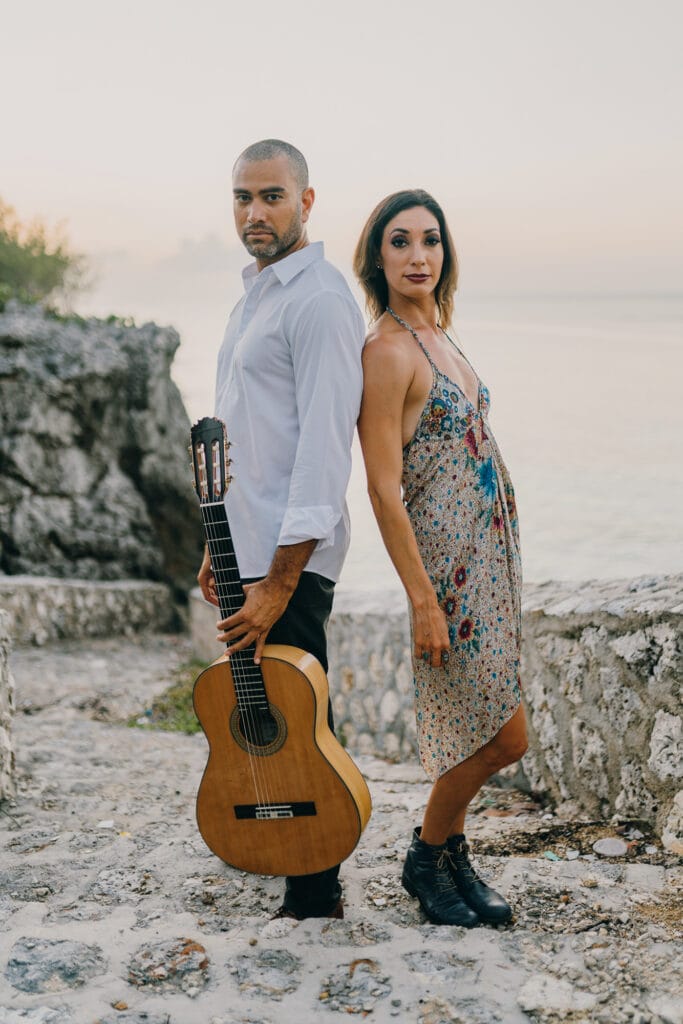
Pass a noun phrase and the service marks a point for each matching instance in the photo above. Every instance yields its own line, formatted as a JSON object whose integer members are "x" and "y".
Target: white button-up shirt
{"x": 288, "y": 389}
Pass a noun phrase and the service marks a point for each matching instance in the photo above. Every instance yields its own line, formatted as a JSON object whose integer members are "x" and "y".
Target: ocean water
{"x": 586, "y": 407}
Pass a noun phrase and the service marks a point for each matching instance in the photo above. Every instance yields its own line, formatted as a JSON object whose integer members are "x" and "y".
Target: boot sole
{"x": 494, "y": 920}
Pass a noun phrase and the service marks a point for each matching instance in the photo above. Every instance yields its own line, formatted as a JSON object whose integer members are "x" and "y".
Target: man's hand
{"x": 206, "y": 581}
{"x": 264, "y": 604}
{"x": 266, "y": 600}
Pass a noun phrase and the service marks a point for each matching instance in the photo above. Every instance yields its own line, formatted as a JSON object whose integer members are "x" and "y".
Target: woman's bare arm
{"x": 388, "y": 376}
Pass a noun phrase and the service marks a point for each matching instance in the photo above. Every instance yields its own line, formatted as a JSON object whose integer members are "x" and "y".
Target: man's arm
{"x": 266, "y": 600}
{"x": 326, "y": 346}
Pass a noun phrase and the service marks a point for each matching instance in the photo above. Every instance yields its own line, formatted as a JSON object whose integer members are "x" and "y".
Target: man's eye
{"x": 241, "y": 199}
{"x": 273, "y": 197}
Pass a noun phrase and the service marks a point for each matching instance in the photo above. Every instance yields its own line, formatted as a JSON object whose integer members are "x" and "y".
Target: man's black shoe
{"x": 337, "y": 913}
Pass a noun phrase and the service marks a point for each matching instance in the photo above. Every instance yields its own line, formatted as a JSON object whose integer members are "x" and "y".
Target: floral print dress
{"x": 460, "y": 500}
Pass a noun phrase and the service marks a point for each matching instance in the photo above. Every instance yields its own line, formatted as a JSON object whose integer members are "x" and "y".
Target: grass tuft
{"x": 172, "y": 710}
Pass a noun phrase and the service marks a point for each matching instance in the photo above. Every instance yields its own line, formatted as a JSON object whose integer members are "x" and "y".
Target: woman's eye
{"x": 433, "y": 240}
{"x": 398, "y": 243}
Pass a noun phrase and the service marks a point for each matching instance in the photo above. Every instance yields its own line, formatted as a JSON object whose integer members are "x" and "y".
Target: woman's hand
{"x": 430, "y": 634}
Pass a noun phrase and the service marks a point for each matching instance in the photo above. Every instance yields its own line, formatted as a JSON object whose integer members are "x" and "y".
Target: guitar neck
{"x": 223, "y": 559}
{"x": 230, "y": 594}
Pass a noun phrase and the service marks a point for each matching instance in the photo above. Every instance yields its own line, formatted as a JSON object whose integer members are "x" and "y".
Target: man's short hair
{"x": 268, "y": 149}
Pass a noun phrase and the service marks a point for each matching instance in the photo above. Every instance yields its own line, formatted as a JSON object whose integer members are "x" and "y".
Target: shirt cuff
{"x": 316, "y": 522}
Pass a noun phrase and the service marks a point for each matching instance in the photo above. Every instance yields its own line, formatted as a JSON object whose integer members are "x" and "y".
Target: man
{"x": 288, "y": 389}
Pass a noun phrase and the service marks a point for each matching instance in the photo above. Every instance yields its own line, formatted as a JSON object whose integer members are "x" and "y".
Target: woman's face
{"x": 412, "y": 253}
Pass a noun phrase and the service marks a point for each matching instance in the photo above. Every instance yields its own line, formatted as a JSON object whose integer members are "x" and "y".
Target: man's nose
{"x": 255, "y": 211}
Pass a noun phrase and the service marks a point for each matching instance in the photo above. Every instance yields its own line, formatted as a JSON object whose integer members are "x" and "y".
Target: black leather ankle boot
{"x": 427, "y": 875}
{"x": 488, "y": 904}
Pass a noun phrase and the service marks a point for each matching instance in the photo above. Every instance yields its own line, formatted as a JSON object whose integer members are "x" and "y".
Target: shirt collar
{"x": 287, "y": 269}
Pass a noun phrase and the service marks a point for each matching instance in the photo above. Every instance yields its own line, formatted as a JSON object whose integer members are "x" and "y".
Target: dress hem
{"x": 434, "y": 777}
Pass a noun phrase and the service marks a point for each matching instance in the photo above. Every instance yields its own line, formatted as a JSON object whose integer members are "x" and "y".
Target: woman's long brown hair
{"x": 367, "y": 254}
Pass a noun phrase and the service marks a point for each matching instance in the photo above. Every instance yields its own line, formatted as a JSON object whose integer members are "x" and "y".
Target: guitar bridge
{"x": 275, "y": 812}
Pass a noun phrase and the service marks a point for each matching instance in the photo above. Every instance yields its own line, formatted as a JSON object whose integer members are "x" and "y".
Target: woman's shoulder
{"x": 385, "y": 340}
{"x": 387, "y": 360}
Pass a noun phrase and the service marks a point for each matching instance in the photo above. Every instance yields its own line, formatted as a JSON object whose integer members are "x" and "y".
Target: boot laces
{"x": 462, "y": 862}
{"x": 443, "y": 861}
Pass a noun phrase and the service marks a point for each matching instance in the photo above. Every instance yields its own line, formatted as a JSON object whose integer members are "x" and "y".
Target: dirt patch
{"x": 559, "y": 837}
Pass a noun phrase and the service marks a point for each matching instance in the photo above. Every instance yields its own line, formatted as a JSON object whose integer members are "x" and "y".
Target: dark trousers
{"x": 303, "y": 625}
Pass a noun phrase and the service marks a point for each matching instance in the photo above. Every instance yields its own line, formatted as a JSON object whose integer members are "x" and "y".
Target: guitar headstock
{"x": 209, "y": 451}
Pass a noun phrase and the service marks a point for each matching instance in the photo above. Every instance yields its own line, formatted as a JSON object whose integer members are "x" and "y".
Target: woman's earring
{"x": 379, "y": 266}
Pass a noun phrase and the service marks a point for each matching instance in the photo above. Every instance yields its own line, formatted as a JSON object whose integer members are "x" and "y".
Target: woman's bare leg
{"x": 451, "y": 794}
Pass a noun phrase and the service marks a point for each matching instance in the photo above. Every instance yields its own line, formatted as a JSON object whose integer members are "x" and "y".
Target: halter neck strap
{"x": 404, "y": 323}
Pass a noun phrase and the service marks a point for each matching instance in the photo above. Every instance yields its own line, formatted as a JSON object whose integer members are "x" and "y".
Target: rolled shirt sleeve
{"x": 326, "y": 339}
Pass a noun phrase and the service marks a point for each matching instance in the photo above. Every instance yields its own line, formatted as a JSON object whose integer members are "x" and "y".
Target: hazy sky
{"x": 548, "y": 130}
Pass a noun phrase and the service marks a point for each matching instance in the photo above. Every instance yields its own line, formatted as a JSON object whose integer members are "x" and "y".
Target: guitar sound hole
{"x": 259, "y": 729}
{"x": 259, "y": 732}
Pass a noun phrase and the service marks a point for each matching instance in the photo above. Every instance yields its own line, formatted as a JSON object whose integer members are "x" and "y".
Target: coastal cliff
{"x": 94, "y": 478}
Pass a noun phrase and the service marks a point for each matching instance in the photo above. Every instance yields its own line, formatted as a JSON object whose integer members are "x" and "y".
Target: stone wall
{"x": 39, "y": 609}
{"x": 602, "y": 675}
{"x": 6, "y": 711}
{"x": 602, "y": 667}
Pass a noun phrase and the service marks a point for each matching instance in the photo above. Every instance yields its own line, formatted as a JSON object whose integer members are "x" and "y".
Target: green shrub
{"x": 35, "y": 264}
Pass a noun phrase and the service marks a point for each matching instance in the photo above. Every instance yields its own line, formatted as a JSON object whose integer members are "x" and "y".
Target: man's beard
{"x": 278, "y": 244}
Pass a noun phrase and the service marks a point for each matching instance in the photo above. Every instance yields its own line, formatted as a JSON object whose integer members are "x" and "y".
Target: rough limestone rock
{"x": 52, "y": 965}
{"x": 672, "y": 836}
{"x": 6, "y": 712}
{"x": 602, "y": 673}
{"x": 355, "y": 988}
{"x": 271, "y": 972}
{"x": 94, "y": 472}
{"x": 36, "y": 1015}
{"x": 178, "y": 965}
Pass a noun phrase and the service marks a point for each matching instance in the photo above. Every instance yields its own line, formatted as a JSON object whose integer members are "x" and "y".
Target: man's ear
{"x": 307, "y": 200}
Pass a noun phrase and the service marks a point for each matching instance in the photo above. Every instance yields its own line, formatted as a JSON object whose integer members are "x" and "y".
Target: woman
{"x": 445, "y": 507}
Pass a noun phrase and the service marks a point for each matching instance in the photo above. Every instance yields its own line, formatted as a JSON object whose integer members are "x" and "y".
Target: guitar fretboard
{"x": 249, "y": 685}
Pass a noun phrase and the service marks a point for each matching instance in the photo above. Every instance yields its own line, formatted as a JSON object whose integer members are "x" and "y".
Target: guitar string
{"x": 244, "y": 685}
{"x": 223, "y": 593}
{"x": 247, "y": 706}
{"x": 241, "y": 690}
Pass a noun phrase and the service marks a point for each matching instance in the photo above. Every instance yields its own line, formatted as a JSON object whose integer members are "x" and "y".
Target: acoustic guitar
{"x": 279, "y": 794}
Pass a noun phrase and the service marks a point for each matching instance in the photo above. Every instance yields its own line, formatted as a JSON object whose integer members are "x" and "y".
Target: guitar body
{"x": 280, "y": 798}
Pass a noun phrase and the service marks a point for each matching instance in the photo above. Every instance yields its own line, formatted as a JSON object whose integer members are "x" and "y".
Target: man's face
{"x": 270, "y": 210}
